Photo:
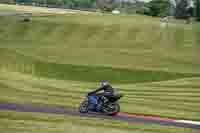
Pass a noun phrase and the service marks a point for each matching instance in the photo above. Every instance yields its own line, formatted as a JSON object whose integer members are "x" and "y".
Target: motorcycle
{"x": 101, "y": 104}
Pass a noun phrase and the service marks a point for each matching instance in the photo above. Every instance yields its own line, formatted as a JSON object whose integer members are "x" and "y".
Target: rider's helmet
{"x": 104, "y": 83}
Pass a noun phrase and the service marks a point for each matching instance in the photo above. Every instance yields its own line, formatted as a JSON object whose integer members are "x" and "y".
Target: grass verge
{"x": 36, "y": 122}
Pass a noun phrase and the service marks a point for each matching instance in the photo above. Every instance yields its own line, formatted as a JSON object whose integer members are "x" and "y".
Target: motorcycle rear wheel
{"x": 84, "y": 107}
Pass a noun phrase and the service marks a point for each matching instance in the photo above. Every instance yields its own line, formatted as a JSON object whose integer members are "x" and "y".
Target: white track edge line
{"x": 189, "y": 122}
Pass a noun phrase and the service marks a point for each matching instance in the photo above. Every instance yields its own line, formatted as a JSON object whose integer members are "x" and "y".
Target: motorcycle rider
{"x": 108, "y": 91}
{"x": 106, "y": 87}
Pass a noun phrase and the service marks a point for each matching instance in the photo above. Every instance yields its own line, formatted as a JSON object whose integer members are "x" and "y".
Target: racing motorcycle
{"x": 101, "y": 104}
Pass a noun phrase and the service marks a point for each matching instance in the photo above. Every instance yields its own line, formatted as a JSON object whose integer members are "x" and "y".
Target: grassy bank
{"x": 30, "y": 122}
{"x": 132, "y": 42}
{"x": 55, "y": 60}
{"x": 152, "y": 98}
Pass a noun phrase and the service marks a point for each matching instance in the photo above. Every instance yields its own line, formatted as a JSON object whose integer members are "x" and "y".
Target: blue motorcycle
{"x": 101, "y": 104}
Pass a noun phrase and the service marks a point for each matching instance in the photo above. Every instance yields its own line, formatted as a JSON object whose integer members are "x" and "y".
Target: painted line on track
{"x": 145, "y": 117}
{"x": 188, "y": 122}
{"x": 157, "y": 118}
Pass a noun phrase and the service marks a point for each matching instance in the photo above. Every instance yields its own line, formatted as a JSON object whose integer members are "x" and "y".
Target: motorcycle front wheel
{"x": 111, "y": 109}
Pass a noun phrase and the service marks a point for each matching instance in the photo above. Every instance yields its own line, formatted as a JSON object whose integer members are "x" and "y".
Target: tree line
{"x": 181, "y": 9}
{"x": 60, "y": 3}
{"x": 153, "y": 8}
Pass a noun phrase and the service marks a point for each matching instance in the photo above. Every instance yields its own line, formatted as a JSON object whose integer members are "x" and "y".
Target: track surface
{"x": 132, "y": 118}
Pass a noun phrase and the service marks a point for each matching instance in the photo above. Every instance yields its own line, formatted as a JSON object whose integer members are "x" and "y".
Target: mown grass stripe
{"x": 164, "y": 102}
{"x": 161, "y": 90}
{"x": 164, "y": 105}
{"x": 177, "y": 86}
{"x": 81, "y": 72}
{"x": 39, "y": 95}
{"x": 177, "y": 99}
{"x": 164, "y": 94}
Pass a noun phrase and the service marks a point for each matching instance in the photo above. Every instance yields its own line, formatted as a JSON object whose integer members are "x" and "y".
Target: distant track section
{"x": 132, "y": 118}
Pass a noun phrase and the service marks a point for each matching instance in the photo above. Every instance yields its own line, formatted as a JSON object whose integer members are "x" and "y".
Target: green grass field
{"x": 56, "y": 60}
{"x": 40, "y": 123}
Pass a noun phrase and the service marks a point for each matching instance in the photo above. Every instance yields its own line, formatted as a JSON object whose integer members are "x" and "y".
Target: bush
{"x": 107, "y": 5}
{"x": 181, "y": 10}
{"x": 198, "y": 9}
{"x": 159, "y": 8}
{"x": 143, "y": 10}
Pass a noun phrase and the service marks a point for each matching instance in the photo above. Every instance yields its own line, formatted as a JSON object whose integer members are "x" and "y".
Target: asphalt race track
{"x": 132, "y": 118}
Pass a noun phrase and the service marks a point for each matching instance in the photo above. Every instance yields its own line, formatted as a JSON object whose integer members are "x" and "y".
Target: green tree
{"x": 39, "y": 1}
{"x": 23, "y": 1}
{"x": 181, "y": 9}
{"x": 84, "y": 3}
{"x": 198, "y": 9}
{"x": 159, "y": 7}
{"x": 79, "y": 3}
{"x": 52, "y": 2}
{"x": 107, "y": 5}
